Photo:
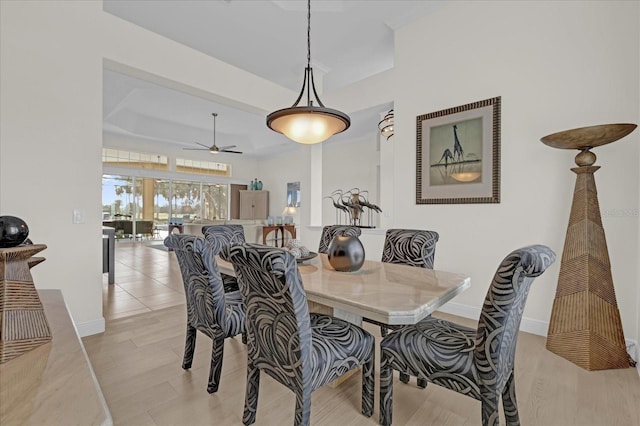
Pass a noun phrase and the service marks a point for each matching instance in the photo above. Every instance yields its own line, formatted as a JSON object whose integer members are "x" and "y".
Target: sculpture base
{"x": 23, "y": 325}
{"x": 585, "y": 326}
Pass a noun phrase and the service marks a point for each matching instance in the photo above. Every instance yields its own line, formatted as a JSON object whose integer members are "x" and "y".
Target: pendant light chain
{"x": 308, "y": 73}
{"x": 308, "y": 33}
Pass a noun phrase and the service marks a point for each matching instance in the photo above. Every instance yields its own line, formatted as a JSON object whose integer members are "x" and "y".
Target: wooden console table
{"x": 266, "y": 230}
{"x": 53, "y": 384}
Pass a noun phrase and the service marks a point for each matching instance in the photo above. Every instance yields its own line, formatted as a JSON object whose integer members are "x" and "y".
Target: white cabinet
{"x": 254, "y": 204}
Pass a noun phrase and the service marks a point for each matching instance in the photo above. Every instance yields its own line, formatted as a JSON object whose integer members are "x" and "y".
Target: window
{"x": 116, "y": 157}
{"x": 202, "y": 167}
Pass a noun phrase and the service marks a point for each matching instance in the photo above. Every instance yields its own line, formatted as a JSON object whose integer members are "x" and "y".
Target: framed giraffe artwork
{"x": 458, "y": 154}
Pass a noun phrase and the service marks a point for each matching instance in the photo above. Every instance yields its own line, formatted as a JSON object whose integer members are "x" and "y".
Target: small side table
{"x": 109, "y": 252}
{"x": 266, "y": 230}
{"x": 180, "y": 229}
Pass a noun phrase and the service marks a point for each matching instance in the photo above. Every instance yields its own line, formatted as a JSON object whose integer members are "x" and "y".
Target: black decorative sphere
{"x": 13, "y": 231}
{"x": 346, "y": 253}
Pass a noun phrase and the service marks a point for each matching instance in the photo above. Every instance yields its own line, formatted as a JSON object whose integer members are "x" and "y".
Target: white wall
{"x": 51, "y": 135}
{"x": 277, "y": 171}
{"x": 50, "y": 142}
{"x": 637, "y": 214}
{"x": 556, "y": 65}
{"x": 348, "y": 165}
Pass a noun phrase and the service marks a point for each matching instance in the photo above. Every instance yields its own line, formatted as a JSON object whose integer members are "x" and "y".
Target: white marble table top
{"x": 384, "y": 292}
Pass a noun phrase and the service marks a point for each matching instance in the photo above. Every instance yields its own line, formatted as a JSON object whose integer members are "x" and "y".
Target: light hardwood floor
{"x": 138, "y": 364}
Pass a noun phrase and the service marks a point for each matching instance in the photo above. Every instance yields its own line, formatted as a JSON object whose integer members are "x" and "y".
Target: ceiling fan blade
{"x": 224, "y": 148}
{"x": 231, "y": 152}
{"x": 196, "y": 149}
{"x": 201, "y": 144}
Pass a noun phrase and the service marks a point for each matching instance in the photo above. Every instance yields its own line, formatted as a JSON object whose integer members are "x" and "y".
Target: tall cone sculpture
{"x": 585, "y": 326}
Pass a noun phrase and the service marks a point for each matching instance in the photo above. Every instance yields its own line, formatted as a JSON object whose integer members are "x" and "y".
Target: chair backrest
{"x": 410, "y": 247}
{"x": 219, "y": 236}
{"x": 328, "y": 232}
{"x": 502, "y": 311}
{"x": 277, "y": 315}
{"x": 202, "y": 282}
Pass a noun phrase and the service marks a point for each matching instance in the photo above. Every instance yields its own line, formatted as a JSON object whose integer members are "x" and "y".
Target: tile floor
{"x": 147, "y": 278}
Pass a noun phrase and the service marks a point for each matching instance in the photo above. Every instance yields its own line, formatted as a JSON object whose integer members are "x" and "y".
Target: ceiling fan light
{"x": 308, "y": 125}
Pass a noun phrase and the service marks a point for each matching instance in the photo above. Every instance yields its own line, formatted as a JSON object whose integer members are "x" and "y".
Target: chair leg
{"x": 422, "y": 383}
{"x": 490, "y": 416}
{"x": 303, "y": 406}
{"x": 386, "y": 391}
{"x": 404, "y": 377}
{"x": 509, "y": 403}
{"x": 189, "y": 347}
{"x": 251, "y": 394}
{"x": 217, "y": 353}
{"x": 368, "y": 384}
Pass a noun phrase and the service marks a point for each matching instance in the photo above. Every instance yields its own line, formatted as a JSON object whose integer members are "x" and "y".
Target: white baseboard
{"x": 634, "y": 351}
{"x": 460, "y": 310}
{"x": 89, "y": 328}
{"x": 528, "y": 325}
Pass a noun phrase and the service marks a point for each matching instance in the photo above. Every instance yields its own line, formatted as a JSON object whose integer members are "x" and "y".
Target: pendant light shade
{"x": 386, "y": 125}
{"x": 308, "y": 124}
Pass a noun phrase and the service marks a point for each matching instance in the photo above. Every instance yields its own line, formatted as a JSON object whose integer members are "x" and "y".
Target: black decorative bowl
{"x": 13, "y": 231}
{"x": 346, "y": 253}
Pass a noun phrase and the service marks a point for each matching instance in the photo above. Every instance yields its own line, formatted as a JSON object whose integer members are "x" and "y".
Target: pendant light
{"x": 386, "y": 125}
{"x": 311, "y": 123}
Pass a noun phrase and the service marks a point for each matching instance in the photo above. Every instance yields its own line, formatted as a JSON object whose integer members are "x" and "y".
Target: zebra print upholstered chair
{"x": 209, "y": 309}
{"x": 477, "y": 363}
{"x": 328, "y": 232}
{"x": 302, "y": 351}
{"x": 219, "y": 236}
{"x": 411, "y": 247}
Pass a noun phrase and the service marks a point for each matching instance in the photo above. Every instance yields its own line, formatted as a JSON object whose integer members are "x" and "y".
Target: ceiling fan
{"x": 214, "y": 149}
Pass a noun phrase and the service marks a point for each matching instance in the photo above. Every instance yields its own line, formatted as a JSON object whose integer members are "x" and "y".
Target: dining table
{"x": 389, "y": 293}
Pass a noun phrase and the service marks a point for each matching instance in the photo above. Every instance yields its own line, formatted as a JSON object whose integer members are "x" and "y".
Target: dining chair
{"x": 219, "y": 236}
{"x": 477, "y": 363}
{"x": 411, "y": 247}
{"x": 301, "y": 350}
{"x": 209, "y": 309}
{"x": 328, "y": 232}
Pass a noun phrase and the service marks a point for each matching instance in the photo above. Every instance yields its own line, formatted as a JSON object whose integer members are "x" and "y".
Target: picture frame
{"x": 293, "y": 194}
{"x": 458, "y": 154}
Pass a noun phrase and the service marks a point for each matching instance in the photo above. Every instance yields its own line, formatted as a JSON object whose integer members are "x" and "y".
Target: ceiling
{"x": 350, "y": 40}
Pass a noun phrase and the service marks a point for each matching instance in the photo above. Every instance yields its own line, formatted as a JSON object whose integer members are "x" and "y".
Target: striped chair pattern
{"x": 477, "y": 363}
{"x": 219, "y": 236}
{"x": 328, "y": 232}
{"x": 209, "y": 309}
{"x": 300, "y": 350}
{"x": 411, "y": 247}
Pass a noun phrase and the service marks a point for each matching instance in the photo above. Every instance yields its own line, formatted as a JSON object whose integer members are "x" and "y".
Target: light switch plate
{"x": 78, "y": 216}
